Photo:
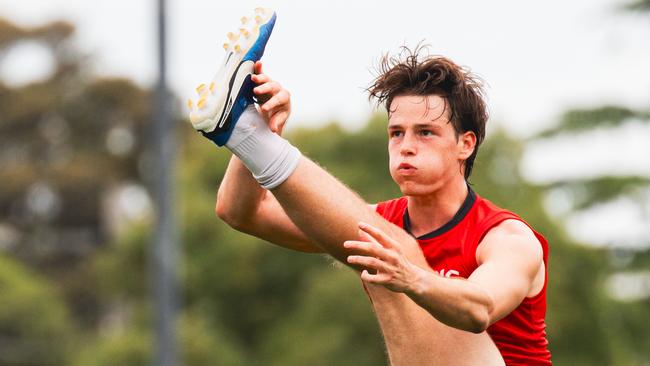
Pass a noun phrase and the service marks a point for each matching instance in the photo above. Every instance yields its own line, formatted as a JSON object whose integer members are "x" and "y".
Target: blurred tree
{"x": 67, "y": 144}
{"x": 34, "y": 323}
{"x": 72, "y": 156}
{"x": 642, "y": 5}
{"x": 629, "y": 339}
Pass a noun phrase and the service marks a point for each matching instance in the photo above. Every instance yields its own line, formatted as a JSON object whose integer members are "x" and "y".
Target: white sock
{"x": 268, "y": 156}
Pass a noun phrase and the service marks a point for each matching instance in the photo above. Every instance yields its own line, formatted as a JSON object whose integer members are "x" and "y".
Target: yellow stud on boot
{"x": 201, "y": 103}
{"x": 200, "y": 89}
{"x": 190, "y": 105}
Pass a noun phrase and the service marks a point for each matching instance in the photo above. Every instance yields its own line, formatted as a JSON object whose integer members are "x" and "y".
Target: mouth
{"x": 405, "y": 167}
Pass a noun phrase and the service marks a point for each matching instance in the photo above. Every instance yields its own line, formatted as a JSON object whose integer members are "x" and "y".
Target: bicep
{"x": 509, "y": 261}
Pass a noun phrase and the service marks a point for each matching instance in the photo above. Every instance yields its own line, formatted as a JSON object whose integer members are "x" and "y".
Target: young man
{"x": 483, "y": 268}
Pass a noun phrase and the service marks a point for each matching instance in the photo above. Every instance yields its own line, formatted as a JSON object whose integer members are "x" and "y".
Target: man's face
{"x": 425, "y": 152}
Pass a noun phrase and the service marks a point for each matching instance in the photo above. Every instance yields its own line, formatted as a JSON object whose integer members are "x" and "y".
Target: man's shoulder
{"x": 488, "y": 217}
{"x": 495, "y": 221}
{"x": 485, "y": 210}
{"x": 511, "y": 227}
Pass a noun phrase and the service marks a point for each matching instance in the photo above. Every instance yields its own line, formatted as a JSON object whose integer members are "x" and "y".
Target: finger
{"x": 261, "y": 79}
{"x": 368, "y": 262}
{"x": 277, "y": 103}
{"x": 279, "y": 100}
{"x": 366, "y": 248}
{"x": 376, "y": 250}
{"x": 367, "y": 237}
{"x": 271, "y": 87}
{"x": 258, "y": 67}
{"x": 378, "y": 279}
{"x": 277, "y": 121}
{"x": 378, "y": 235}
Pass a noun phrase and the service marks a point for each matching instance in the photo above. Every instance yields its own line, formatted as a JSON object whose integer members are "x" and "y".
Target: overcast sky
{"x": 538, "y": 58}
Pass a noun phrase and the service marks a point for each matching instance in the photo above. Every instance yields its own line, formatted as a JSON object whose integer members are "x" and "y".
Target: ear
{"x": 466, "y": 145}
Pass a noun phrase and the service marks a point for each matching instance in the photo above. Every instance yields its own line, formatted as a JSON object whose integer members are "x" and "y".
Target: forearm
{"x": 239, "y": 195}
{"x": 456, "y": 302}
{"x": 247, "y": 207}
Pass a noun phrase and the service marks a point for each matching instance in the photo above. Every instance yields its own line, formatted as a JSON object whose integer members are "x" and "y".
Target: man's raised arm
{"x": 241, "y": 202}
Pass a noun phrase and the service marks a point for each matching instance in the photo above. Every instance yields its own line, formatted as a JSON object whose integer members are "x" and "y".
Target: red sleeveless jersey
{"x": 451, "y": 251}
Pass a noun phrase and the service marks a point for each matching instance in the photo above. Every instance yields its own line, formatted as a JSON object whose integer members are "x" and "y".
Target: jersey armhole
{"x": 484, "y": 228}
{"x": 496, "y": 220}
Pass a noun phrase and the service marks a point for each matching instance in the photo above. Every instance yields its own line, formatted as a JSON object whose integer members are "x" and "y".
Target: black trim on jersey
{"x": 458, "y": 217}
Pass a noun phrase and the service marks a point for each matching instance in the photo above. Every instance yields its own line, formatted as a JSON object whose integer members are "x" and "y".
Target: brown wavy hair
{"x": 412, "y": 73}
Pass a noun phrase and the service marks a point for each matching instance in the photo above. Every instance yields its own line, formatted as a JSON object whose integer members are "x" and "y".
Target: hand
{"x": 274, "y": 100}
{"x": 384, "y": 255}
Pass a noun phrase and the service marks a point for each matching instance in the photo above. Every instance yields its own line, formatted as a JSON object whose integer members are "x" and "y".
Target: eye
{"x": 426, "y": 132}
{"x": 395, "y": 133}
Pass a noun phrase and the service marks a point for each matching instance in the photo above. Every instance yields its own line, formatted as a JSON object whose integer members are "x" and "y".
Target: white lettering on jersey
{"x": 451, "y": 272}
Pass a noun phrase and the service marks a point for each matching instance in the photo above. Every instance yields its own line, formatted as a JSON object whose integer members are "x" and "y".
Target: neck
{"x": 430, "y": 212}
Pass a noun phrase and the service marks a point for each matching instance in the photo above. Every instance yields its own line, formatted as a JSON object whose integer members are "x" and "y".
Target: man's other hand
{"x": 382, "y": 254}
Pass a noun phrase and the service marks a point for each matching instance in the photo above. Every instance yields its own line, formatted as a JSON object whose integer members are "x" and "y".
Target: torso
{"x": 414, "y": 338}
{"x": 451, "y": 251}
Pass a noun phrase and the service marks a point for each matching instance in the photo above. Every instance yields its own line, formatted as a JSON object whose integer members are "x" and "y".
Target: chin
{"x": 414, "y": 189}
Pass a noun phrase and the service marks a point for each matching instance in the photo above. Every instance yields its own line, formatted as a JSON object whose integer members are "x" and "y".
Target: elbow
{"x": 226, "y": 214}
{"x": 480, "y": 317}
{"x": 479, "y": 322}
{"x": 221, "y": 211}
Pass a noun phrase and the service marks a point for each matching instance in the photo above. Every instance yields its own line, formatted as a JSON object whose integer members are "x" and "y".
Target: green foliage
{"x": 130, "y": 349}
{"x": 586, "y": 193}
{"x": 639, "y": 5}
{"x": 581, "y": 120}
{"x": 34, "y": 323}
{"x": 613, "y": 332}
{"x": 359, "y": 159}
{"x": 53, "y": 33}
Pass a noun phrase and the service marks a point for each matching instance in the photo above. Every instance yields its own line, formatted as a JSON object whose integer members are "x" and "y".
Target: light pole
{"x": 163, "y": 253}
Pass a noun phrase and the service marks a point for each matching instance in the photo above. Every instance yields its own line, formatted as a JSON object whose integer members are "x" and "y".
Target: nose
{"x": 408, "y": 144}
